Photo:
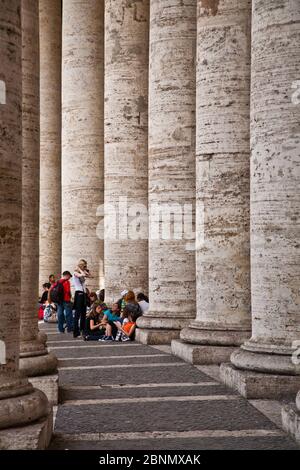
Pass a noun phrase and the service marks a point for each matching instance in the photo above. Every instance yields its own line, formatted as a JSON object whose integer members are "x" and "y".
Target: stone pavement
{"x": 131, "y": 396}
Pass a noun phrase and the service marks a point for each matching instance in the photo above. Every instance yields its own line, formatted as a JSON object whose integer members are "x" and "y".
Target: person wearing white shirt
{"x": 81, "y": 272}
{"x": 143, "y": 302}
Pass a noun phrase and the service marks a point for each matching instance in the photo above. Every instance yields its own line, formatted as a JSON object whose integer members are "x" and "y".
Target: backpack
{"x": 57, "y": 293}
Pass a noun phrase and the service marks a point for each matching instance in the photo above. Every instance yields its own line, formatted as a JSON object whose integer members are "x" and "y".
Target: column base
{"x": 155, "y": 329}
{"x": 20, "y": 410}
{"x": 214, "y": 335}
{"x": 33, "y": 366}
{"x": 258, "y": 385}
{"x": 201, "y": 354}
{"x": 156, "y": 336}
{"x": 35, "y": 436}
{"x": 47, "y": 384}
{"x": 291, "y": 421}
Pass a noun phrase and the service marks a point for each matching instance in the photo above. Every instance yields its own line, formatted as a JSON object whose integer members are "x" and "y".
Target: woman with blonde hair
{"x": 80, "y": 274}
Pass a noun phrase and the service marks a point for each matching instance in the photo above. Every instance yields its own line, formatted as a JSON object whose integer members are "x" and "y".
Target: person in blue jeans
{"x": 64, "y": 307}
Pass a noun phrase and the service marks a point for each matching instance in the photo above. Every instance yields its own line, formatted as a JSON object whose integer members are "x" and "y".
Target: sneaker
{"x": 118, "y": 336}
{"x": 102, "y": 338}
{"x": 108, "y": 338}
{"x": 125, "y": 338}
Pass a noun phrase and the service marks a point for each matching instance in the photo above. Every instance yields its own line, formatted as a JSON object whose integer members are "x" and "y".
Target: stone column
{"x": 50, "y": 139}
{"x": 34, "y": 358}
{"x": 126, "y": 151}
{"x": 265, "y": 365}
{"x": 21, "y": 405}
{"x": 82, "y": 134}
{"x": 222, "y": 160}
{"x": 171, "y": 169}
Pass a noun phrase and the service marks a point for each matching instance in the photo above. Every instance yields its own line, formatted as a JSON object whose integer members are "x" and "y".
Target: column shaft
{"x": 126, "y": 152}
{"x": 275, "y": 206}
{"x": 34, "y": 358}
{"x": 20, "y": 403}
{"x": 50, "y": 139}
{"x": 222, "y": 159}
{"x": 82, "y": 135}
{"x": 171, "y": 169}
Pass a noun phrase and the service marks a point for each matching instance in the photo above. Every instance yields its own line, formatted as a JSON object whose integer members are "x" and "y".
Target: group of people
{"x": 86, "y": 314}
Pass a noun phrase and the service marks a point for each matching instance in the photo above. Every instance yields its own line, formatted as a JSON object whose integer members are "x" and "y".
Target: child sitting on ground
{"x": 111, "y": 316}
{"x": 95, "y": 323}
{"x": 126, "y": 329}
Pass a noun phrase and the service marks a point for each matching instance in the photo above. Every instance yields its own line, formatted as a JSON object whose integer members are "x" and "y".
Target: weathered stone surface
{"x": 161, "y": 407}
{"x": 253, "y": 384}
{"x": 47, "y": 384}
{"x": 156, "y": 336}
{"x": 201, "y": 354}
{"x": 19, "y": 402}
{"x": 82, "y": 135}
{"x": 35, "y": 436}
{"x": 126, "y": 144}
{"x": 275, "y": 197}
{"x": 202, "y": 443}
{"x": 172, "y": 96}
{"x": 50, "y": 139}
{"x": 10, "y": 186}
{"x": 222, "y": 182}
{"x": 34, "y": 359}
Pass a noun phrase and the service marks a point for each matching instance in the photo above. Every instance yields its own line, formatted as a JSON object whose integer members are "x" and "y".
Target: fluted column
{"x": 171, "y": 169}
{"x": 20, "y": 403}
{"x": 82, "y": 134}
{"x": 50, "y": 139}
{"x": 126, "y": 152}
{"x": 34, "y": 358}
{"x": 222, "y": 159}
{"x": 264, "y": 366}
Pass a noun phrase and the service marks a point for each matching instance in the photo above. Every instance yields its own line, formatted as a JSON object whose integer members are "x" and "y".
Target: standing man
{"x": 61, "y": 295}
{"x": 80, "y": 299}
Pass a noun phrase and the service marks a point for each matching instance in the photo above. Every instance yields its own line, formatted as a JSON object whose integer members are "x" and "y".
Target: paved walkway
{"x": 131, "y": 396}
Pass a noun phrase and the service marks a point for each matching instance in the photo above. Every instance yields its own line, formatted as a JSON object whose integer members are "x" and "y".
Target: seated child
{"x": 111, "y": 316}
{"x": 95, "y": 323}
{"x": 126, "y": 330}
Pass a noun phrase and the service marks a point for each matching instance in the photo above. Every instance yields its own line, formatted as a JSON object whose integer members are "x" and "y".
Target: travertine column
{"x": 172, "y": 97}
{"x": 82, "y": 134}
{"x": 264, "y": 366}
{"x": 34, "y": 358}
{"x": 223, "y": 161}
{"x": 126, "y": 140}
{"x": 20, "y": 403}
{"x": 50, "y": 139}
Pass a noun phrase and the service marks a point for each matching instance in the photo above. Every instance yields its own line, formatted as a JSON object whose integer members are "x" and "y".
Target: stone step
{"x": 140, "y": 392}
{"x": 142, "y": 374}
{"x": 230, "y": 442}
{"x": 226, "y": 413}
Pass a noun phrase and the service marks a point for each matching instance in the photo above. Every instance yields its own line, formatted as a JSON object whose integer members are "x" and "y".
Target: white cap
{"x": 124, "y": 292}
